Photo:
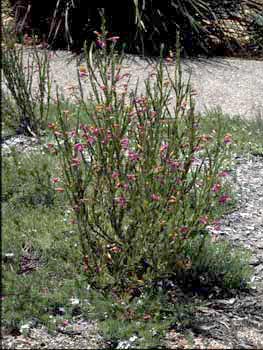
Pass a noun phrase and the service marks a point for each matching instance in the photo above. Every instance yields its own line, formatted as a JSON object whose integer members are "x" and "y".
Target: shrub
{"x": 27, "y": 85}
{"x": 256, "y": 30}
{"x": 140, "y": 176}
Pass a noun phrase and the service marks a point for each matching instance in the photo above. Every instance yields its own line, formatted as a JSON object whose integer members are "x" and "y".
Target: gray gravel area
{"x": 244, "y": 226}
{"x": 235, "y": 85}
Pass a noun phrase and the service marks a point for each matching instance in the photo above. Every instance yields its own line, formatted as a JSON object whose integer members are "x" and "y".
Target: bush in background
{"x": 26, "y": 89}
{"x": 144, "y": 25}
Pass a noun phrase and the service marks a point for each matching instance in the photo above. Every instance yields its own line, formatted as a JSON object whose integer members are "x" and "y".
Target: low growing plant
{"x": 210, "y": 263}
{"x": 140, "y": 176}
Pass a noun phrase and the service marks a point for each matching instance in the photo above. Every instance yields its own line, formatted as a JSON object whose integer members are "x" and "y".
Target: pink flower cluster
{"x": 174, "y": 164}
{"x": 121, "y": 201}
{"x": 125, "y": 143}
{"x": 133, "y": 156}
{"x": 216, "y": 188}
{"x": 155, "y": 197}
{"x": 224, "y": 199}
{"x": 79, "y": 147}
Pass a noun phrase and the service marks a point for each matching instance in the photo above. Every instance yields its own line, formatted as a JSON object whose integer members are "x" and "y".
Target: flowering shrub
{"x": 141, "y": 178}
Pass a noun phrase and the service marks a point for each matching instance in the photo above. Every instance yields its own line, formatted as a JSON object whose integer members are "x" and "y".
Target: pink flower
{"x": 174, "y": 164}
{"x": 82, "y": 71}
{"x": 203, "y": 220}
{"x": 216, "y": 188}
{"x": 228, "y": 138}
{"x": 55, "y": 180}
{"x": 91, "y": 140}
{"x": 184, "y": 105}
{"x": 79, "y": 147}
{"x": 126, "y": 186}
{"x": 164, "y": 147}
{"x": 115, "y": 175}
{"x": 73, "y": 133}
{"x": 101, "y": 43}
{"x": 131, "y": 177}
{"x": 125, "y": 143}
{"x": 95, "y": 131}
{"x": 75, "y": 162}
{"x": 184, "y": 229}
{"x": 155, "y": 197}
{"x": 133, "y": 156}
{"x": 59, "y": 189}
{"x": 197, "y": 148}
{"x": 57, "y": 133}
{"x": 223, "y": 173}
{"x": 216, "y": 225}
{"x": 122, "y": 202}
{"x": 114, "y": 39}
{"x": 224, "y": 199}
{"x": 107, "y": 139}
{"x": 82, "y": 74}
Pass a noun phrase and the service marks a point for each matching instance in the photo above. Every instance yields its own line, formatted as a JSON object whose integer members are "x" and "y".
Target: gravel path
{"x": 236, "y": 85}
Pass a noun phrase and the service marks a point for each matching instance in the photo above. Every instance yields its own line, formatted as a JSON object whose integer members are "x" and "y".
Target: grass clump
{"x": 207, "y": 263}
{"x": 246, "y": 133}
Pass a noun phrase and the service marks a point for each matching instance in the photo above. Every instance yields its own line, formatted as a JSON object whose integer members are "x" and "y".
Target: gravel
{"x": 235, "y": 85}
{"x": 237, "y": 322}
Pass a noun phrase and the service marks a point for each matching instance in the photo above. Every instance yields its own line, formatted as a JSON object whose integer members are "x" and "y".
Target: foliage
{"x": 256, "y": 30}
{"x": 30, "y": 183}
{"x": 206, "y": 263}
{"x": 144, "y": 25}
{"x": 246, "y": 132}
{"x": 139, "y": 174}
{"x": 26, "y": 103}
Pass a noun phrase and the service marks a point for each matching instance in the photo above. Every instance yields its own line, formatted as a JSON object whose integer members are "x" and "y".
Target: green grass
{"x": 247, "y": 133}
{"x": 35, "y": 223}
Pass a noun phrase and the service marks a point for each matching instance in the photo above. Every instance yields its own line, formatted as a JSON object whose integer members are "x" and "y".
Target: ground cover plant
{"x": 112, "y": 215}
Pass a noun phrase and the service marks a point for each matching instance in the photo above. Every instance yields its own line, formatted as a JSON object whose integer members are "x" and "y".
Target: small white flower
{"x": 74, "y": 301}
{"x": 24, "y": 328}
{"x": 123, "y": 345}
{"x": 133, "y": 338}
